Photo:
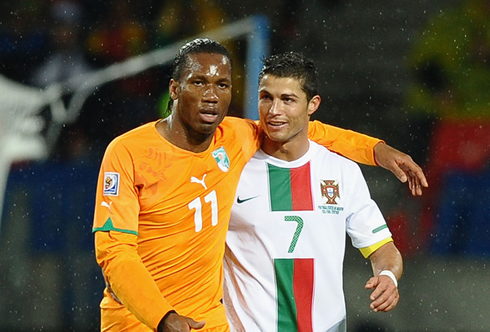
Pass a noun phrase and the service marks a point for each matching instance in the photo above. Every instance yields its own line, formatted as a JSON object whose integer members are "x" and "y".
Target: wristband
{"x": 390, "y": 274}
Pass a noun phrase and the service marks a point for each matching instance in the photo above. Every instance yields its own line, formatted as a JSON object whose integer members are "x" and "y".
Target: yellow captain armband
{"x": 366, "y": 252}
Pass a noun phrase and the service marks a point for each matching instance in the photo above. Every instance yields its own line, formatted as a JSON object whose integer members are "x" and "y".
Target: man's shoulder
{"x": 232, "y": 126}
{"x": 134, "y": 136}
{"x": 233, "y": 120}
{"x": 319, "y": 150}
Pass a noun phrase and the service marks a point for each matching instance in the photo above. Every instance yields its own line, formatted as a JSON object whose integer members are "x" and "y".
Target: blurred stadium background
{"x": 49, "y": 280}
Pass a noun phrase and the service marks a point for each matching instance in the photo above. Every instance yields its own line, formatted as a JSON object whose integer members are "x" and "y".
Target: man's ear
{"x": 173, "y": 88}
{"x": 313, "y": 104}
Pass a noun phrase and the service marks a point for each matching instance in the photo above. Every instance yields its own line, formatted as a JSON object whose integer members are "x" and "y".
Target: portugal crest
{"x": 222, "y": 159}
{"x": 330, "y": 191}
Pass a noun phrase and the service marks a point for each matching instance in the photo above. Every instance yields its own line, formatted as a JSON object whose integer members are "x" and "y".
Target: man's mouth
{"x": 208, "y": 116}
{"x": 276, "y": 124}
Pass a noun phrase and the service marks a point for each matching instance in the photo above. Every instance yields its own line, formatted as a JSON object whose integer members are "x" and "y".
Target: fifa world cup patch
{"x": 111, "y": 184}
{"x": 221, "y": 159}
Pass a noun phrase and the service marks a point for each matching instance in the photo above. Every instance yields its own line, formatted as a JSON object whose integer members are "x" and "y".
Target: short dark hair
{"x": 196, "y": 46}
{"x": 293, "y": 65}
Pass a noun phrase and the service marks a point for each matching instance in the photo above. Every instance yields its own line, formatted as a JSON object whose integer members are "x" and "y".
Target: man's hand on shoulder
{"x": 173, "y": 322}
{"x": 402, "y": 165}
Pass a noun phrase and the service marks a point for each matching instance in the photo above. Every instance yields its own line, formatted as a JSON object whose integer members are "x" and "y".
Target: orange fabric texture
{"x": 350, "y": 144}
{"x": 161, "y": 219}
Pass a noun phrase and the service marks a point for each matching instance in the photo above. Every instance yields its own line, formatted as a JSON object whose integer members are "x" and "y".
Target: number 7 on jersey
{"x": 299, "y": 228}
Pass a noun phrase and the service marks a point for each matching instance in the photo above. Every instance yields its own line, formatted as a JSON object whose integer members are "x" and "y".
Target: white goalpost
{"x": 25, "y": 135}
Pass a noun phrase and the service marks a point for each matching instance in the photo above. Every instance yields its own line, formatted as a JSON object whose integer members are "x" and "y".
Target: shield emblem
{"x": 221, "y": 159}
{"x": 330, "y": 191}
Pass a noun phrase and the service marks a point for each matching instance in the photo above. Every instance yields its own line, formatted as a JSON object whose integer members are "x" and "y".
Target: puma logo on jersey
{"x": 201, "y": 182}
{"x": 107, "y": 205}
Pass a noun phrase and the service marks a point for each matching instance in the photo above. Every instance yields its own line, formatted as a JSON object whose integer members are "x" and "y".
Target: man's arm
{"x": 387, "y": 263}
{"x": 350, "y": 144}
{"x": 128, "y": 278}
{"x": 133, "y": 285}
{"x": 369, "y": 151}
{"x": 402, "y": 165}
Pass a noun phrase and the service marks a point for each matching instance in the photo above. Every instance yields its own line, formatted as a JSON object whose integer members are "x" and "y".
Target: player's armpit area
{"x": 366, "y": 252}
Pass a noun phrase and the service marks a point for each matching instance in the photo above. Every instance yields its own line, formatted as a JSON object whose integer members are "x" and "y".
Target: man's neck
{"x": 181, "y": 138}
{"x": 287, "y": 151}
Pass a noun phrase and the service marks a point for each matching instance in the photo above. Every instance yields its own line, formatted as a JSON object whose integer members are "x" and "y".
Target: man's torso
{"x": 285, "y": 246}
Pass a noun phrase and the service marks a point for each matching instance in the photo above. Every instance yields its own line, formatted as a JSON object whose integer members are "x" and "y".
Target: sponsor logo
{"x": 221, "y": 159}
{"x": 111, "y": 184}
{"x": 240, "y": 201}
{"x": 201, "y": 182}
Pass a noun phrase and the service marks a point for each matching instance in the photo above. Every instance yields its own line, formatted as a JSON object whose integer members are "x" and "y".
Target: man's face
{"x": 284, "y": 109}
{"x": 204, "y": 93}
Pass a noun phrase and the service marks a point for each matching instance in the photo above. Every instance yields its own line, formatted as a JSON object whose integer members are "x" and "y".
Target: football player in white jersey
{"x": 295, "y": 203}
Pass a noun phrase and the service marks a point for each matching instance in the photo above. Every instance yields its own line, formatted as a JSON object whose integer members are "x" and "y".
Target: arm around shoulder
{"x": 350, "y": 144}
{"x": 370, "y": 151}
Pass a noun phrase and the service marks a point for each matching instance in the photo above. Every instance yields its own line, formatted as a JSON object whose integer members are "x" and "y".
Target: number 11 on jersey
{"x": 196, "y": 204}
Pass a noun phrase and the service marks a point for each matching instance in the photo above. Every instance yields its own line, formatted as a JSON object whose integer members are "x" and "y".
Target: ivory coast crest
{"x": 221, "y": 159}
{"x": 330, "y": 191}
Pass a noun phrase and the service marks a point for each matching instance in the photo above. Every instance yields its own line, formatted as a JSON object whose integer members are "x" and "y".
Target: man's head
{"x": 288, "y": 85}
{"x": 200, "y": 90}
{"x": 198, "y": 45}
{"x": 195, "y": 46}
{"x": 293, "y": 65}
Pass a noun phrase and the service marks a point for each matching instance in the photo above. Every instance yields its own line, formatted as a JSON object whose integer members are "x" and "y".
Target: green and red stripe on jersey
{"x": 290, "y": 188}
{"x": 294, "y": 283}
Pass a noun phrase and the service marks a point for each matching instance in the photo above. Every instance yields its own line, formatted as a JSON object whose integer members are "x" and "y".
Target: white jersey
{"x": 286, "y": 241}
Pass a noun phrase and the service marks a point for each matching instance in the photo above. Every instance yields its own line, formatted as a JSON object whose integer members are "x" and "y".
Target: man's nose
{"x": 275, "y": 107}
{"x": 210, "y": 93}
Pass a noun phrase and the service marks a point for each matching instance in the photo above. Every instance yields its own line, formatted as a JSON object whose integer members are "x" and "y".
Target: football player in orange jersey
{"x": 165, "y": 192}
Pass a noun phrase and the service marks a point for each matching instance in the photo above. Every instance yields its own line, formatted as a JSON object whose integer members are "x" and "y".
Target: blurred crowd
{"x": 43, "y": 42}
{"x": 448, "y": 107}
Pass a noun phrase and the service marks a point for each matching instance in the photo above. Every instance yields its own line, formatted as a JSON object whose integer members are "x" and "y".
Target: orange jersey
{"x": 161, "y": 219}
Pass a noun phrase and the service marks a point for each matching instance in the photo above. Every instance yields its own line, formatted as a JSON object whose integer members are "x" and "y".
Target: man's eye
{"x": 224, "y": 85}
